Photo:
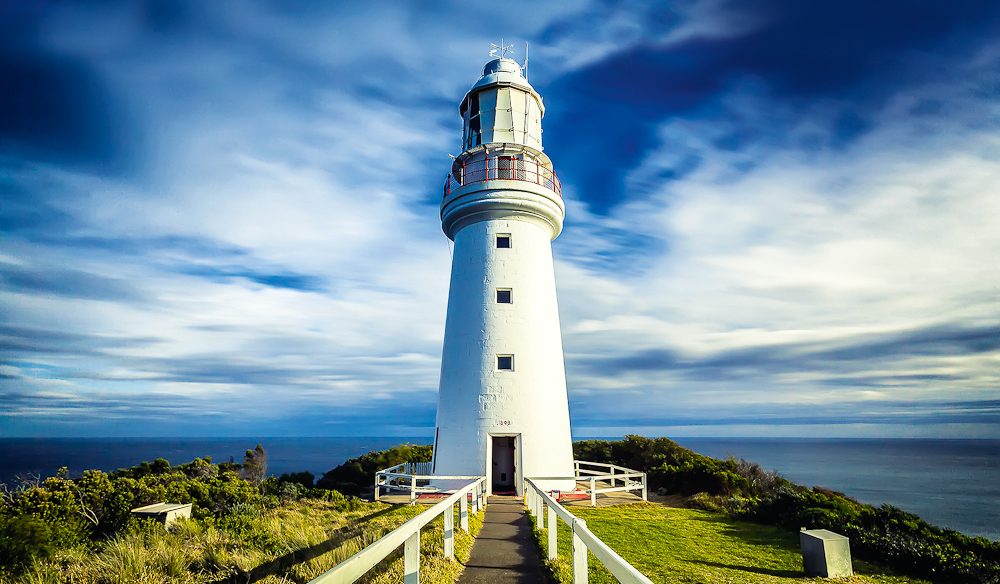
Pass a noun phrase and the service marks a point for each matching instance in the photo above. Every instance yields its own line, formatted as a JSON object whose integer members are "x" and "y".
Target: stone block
{"x": 825, "y": 553}
{"x": 165, "y": 513}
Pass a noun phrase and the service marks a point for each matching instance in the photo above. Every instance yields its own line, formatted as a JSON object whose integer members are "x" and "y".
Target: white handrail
{"x": 540, "y": 504}
{"x": 408, "y": 535}
{"x": 612, "y": 473}
{"x": 404, "y": 477}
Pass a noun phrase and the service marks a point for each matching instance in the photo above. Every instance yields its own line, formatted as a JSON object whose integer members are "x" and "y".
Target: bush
{"x": 670, "y": 466}
{"x": 23, "y": 539}
{"x": 61, "y": 513}
{"x": 305, "y": 478}
{"x": 358, "y": 474}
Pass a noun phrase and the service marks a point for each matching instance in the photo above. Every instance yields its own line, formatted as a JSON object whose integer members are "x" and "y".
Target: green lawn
{"x": 688, "y": 545}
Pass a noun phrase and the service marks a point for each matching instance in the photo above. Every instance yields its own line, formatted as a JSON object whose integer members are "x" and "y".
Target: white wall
{"x": 475, "y": 399}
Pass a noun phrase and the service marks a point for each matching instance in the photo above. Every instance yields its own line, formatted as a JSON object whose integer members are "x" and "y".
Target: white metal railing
{"x": 411, "y": 477}
{"x": 593, "y": 472}
{"x": 404, "y": 477}
{"x": 502, "y": 168}
{"x": 548, "y": 512}
{"x": 408, "y": 535}
{"x": 601, "y": 477}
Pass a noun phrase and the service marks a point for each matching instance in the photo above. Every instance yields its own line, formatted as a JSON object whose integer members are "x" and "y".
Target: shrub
{"x": 23, "y": 539}
{"x": 305, "y": 478}
{"x": 358, "y": 474}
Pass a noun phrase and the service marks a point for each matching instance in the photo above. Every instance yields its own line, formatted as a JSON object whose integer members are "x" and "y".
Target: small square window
{"x": 503, "y": 240}
{"x": 505, "y": 362}
{"x": 505, "y": 296}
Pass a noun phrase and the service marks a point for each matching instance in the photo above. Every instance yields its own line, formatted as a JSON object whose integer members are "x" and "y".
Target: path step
{"x": 504, "y": 551}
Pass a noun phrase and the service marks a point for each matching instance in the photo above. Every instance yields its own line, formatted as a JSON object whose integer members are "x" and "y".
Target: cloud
{"x": 777, "y": 216}
{"x": 63, "y": 282}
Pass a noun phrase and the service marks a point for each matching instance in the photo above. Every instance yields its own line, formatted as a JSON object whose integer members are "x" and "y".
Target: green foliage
{"x": 305, "y": 478}
{"x": 255, "y": 465}
{"x": 358, "y": 474}
{"x": 23, "y": 539}
{"x": 243, "y": 523}
{"x": 670, "y": 466}
{"x": 879, "y": 534}
{"x": 61, "y": 513}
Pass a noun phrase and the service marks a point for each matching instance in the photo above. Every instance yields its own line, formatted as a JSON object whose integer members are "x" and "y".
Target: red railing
{"x": 503, "y": 168}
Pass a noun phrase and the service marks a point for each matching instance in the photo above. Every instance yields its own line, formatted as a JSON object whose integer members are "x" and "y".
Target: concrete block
{"x": 825, "y": 553}
{"x": 165, "y": 513}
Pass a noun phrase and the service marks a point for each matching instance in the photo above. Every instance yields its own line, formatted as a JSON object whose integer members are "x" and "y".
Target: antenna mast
{"x": 525, "y": 60}
{"x": 501, "y": 50}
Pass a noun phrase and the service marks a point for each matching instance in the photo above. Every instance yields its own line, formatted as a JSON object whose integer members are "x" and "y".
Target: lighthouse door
{"x": 503, "y": 464}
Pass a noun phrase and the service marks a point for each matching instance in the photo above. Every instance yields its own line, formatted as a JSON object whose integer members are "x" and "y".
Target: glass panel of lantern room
{"x": 473, "y": 134}
{"x": 487, "y": 109}
{"x": 503, "y": 127}
{"x": 518, "y": 114}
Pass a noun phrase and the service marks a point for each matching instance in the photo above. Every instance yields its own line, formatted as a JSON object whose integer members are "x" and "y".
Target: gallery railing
{"x": 502, "y": 168}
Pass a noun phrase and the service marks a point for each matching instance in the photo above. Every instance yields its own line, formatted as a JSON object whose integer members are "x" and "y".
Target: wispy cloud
{"x": 780, "y": 218}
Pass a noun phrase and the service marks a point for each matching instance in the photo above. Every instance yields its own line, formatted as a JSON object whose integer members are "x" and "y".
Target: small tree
{"x": 255, "y": 465}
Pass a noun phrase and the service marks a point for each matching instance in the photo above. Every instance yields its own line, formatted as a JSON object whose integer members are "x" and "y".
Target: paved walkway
{"x": 504, "y": 552}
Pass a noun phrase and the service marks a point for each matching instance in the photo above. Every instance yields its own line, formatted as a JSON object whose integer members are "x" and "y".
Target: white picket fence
{"x": 548, "y": 513}
{"x": 413, "y": 477}
{"x": 408, "y": 536}
{"x": 612, "y": 474}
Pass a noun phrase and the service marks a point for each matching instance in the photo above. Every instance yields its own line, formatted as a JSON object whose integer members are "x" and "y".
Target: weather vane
{"x": 501, "y": 50}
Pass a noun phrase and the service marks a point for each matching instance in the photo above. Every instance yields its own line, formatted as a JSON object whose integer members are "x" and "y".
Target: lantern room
{"x": 502, "y": 107}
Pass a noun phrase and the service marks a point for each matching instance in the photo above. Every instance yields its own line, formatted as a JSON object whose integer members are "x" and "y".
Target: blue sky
{"x": 221, "y": 218}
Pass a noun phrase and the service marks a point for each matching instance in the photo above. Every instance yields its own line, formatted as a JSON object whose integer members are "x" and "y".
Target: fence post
{"x": 541, "y": 512}
{"x": 579, "y": 555}
{"x": 644, "y": 487}
{"x": 376, "y": 487}
{"x": 463, "y": 512}
{"x": 413, "y": 489}
{"x": 449, "y": 532}
{"x": 411, "y": 559}
{"x": 593, "y": 492}
{"x": 553, "y": 535}
{"x": 612, "y": 476}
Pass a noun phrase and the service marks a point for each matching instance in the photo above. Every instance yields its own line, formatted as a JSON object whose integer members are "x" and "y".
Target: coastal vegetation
{"x": 245, "y": 526}
{"x": 729, "y": 520}
{"x": 356, "y": 475}
{"x": 744, "y": 491}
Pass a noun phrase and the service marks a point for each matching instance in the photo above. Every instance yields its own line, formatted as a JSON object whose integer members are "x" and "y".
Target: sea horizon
{"x": 950, "y": 482}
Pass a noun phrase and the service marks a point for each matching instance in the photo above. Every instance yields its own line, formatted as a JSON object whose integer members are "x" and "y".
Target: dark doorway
{"x": 503, "y": 464}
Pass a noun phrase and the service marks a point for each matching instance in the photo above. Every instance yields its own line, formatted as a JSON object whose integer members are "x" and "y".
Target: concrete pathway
{"x": 504, "y": 552}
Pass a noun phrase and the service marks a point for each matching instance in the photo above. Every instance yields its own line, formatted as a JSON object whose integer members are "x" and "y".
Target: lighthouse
{"x": 502, "y": 404}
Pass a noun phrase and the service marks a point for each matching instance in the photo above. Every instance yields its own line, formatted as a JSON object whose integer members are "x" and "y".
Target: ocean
{"x": 950, "y": 483}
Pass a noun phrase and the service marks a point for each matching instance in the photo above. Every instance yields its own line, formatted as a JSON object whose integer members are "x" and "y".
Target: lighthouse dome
{"x": 502, "y": 64}
{"x": 505, "y": 72}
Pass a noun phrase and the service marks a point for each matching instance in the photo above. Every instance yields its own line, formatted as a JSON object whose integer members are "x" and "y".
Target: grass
{"x": 293, "y": 543}
{"x": 675, "y": 545}
{"x": 434, "y": 567}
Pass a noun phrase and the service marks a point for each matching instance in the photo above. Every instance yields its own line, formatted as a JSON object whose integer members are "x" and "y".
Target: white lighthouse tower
{"x": 502, "y": 405}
